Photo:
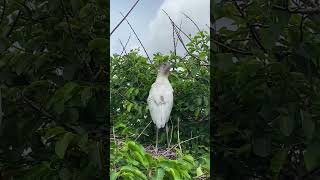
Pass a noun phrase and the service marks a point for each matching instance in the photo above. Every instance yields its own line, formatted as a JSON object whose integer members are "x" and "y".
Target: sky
{"x": 153, "y": 26}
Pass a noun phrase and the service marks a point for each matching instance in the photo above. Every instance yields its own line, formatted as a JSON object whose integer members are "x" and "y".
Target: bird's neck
{"x": 162, "y": 77}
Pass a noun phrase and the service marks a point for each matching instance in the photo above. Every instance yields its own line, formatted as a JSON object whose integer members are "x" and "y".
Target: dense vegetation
{"x": 267, "y": 96}
{"x": 133, "y": 133}
{"x": 53, "y": 89}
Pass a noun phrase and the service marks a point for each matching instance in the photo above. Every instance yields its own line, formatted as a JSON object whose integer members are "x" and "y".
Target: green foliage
{"x": 131, "y": 80}
{"x": 132, "y": 77}
{"x": 53, "y": 87}
{"x": 266, "y": 74}
{"x": 130, "y": 161}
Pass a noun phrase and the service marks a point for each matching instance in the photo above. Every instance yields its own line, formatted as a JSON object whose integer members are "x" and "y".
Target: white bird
{"x": 160, "y": 100}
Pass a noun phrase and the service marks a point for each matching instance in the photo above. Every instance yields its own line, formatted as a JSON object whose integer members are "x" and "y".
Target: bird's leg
{"x": 157, "y": 130}
{"x": 167, "y": 132}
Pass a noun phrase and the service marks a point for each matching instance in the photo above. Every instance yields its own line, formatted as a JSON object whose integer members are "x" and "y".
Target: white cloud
{"x": 159, "y": 35}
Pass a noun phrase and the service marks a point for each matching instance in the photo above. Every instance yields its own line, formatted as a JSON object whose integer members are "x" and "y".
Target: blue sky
{"x": 152, "y": 25}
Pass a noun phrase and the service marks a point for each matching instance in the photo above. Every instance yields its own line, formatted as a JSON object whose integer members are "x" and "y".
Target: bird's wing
{"x": 160, "y": 102}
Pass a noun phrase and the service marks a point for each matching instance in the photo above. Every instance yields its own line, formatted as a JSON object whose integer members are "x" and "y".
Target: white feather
{"x": 160, "y": 101}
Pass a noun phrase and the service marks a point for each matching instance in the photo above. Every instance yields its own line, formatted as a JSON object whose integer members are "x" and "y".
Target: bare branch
{"x": 138, "y": 39}
{"x": 124, "y": 17}
{"x": 125, "y": 45}
{"x": 179, "y": 37}
{"x": 192, "y": 21}
{"x": 123, "y": 48}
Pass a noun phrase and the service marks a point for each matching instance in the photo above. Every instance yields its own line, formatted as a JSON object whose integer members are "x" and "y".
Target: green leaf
{"x": 199, "y": 171}
{"x": 63, "y": 143}
{"x": 53, "y": 132}
{"x": 286, "y": 124}
{"x": 224, "y": 61}
{"x": 99, "y": 43}
{"x": 261, "y": 146}
{"x": 135, "y": 171}
{"x": 270, "y": 36}
{"x": 114, "y": 175}
{"x": 278, "y": 160}
{"x": 65, "y": 174}
{"x": 308, "y": 125}
{"x": 159, "y": 174}
{"x": 86, "y": 94}
{"x": 4, "y": 44}
{"x": 312, "y": 156}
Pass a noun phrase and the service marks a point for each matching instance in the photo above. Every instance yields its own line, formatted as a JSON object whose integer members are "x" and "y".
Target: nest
{"x": 166, "y": 152}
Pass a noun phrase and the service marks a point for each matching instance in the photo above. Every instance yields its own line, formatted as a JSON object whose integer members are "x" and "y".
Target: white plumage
{"x": 160, "y": 99}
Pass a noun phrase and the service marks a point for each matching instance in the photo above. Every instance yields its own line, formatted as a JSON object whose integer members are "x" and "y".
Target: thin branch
{"x": 180, "y": 39}
{"x": 143, "y": 131}
{"x": 179, "y": 143}
{"x": 301, "y": 28}
{"x": 123, "y": 48}
{"x": 138, "y": 40}
{"x": 192, "y": 21}
{"x": 182, "y": 143}
{"x": 252, "y": 31}
{"x": 37, "y": 108}
{"x": 240, "y": 51}
{"x": 126, "y": 44}
{"x": 124, "y": 17}
{"x": 3, "y": 11}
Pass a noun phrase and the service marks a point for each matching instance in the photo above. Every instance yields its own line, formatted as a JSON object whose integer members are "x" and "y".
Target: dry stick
{"x": 171, "y": 132}
{"x": 180, "y": 39}
{"x": 126, "y": 44}
{"x": 124, "y": 17}
{"x": 179, "y": 136}
{"x": 138, "y": 40}
{"x": 192, "y": 21}
{"x": 123, "y": 47}
{"x": 143, "y": 131}
{"x": 174, "y": 41}
{"x": 182, "y": 143}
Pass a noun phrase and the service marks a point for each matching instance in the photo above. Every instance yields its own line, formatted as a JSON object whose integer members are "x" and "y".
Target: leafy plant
{"x": 266, "y": 74}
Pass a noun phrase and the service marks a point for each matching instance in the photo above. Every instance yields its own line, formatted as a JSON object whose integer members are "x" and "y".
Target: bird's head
{"x": 165, "y": 68}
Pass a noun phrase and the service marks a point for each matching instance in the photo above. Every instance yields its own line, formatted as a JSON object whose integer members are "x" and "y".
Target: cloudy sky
{"x": 153, "y": 26}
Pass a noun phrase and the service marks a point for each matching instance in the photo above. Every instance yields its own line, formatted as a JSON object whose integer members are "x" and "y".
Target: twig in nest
{"x": 183, "y": 142}
{"x": 142, "y": 131}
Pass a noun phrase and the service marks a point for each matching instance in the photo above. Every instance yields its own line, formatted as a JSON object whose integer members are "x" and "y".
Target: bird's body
{"x": 160, "y": 99}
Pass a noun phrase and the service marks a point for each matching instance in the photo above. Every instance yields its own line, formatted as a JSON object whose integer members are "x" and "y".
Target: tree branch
{"x": 124, "y": 17}
{"x": 138, "y": 39}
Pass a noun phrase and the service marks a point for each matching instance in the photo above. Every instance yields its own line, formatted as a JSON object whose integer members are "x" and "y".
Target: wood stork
{"x": 160, "y": 100}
